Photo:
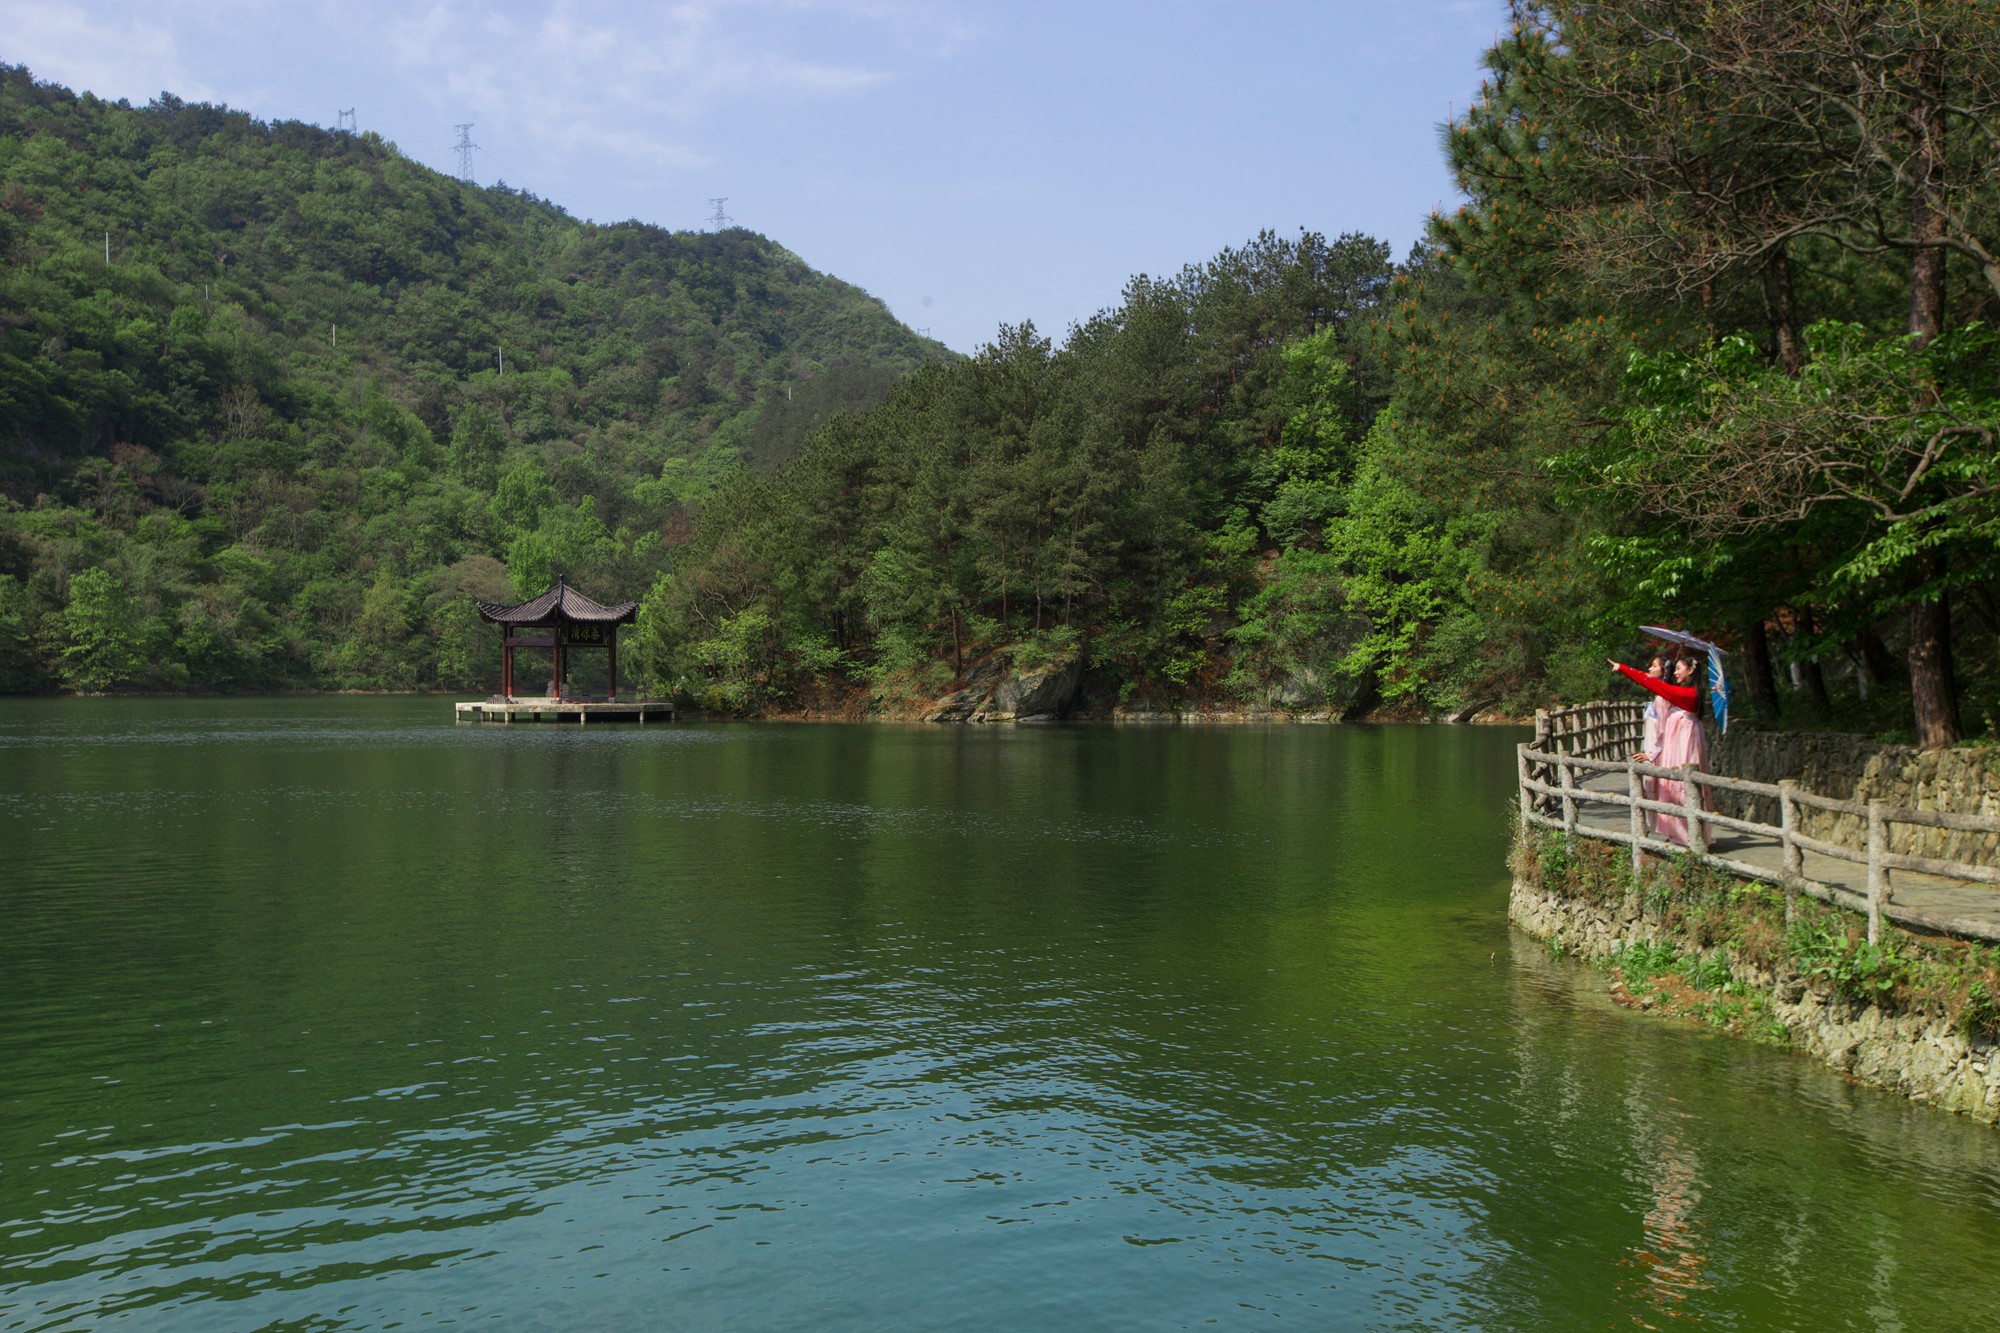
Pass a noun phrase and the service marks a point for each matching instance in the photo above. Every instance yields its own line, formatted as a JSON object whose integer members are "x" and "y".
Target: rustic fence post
{"x": 1527, "y": 797}
{"x": 1788, "y": 826}
{"x": 1637, "y": 823}
{"x": 1566, "y": 779}
{"x": 1544, "y": 743}
{"x": 1878, "y": 874}
{"x": 1795, "y": 861}
{"x": 1691, "y": 800}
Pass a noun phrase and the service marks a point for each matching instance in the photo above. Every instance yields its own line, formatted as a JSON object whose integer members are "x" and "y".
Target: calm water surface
{"x": 328, "y": 1014}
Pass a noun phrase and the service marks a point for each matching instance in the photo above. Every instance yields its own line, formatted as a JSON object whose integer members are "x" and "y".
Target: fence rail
{"x": 1572, "y": 745}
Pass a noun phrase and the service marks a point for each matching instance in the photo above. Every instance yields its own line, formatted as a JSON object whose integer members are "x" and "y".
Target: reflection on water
{"x": 1669, "y": 1259}
{"x": 328, "y": 1013}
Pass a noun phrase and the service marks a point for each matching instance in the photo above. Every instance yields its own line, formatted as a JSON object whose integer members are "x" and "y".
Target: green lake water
{"x": 329, "y": 1013}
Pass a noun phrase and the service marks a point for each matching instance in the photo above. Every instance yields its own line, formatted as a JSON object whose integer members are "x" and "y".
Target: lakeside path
{"x": 1917, "y": 901}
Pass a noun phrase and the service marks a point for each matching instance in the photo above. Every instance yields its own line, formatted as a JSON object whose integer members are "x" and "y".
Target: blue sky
{"x": 970, "y": 162}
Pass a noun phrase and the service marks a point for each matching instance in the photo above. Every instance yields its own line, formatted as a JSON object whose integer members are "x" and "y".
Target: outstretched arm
{"x": 1680, "y": 696}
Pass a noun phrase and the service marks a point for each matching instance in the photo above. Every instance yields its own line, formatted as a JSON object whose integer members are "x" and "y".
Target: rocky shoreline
{"x": 1914, "y": 1052}
{"x": 993, "y": 689}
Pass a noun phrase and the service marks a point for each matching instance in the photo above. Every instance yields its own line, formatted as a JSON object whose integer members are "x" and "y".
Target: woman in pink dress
{"x": 1680, "y": 737}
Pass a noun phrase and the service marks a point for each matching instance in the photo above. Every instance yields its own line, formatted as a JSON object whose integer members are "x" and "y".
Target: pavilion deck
{"x": 582, "y": 712}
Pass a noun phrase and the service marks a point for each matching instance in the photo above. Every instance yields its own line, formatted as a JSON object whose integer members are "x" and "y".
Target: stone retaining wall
{"x": 1922, "y": 1056}
{"x": 1963, "y": 781}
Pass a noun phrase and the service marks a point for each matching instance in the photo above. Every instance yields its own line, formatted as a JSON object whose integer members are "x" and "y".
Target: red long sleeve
{"x": 1683, "y": 697}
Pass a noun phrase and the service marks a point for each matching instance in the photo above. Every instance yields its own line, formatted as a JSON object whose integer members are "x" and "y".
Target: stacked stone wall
{"x": 1964, "y": 781}
{"x": 1922, "y": 1056}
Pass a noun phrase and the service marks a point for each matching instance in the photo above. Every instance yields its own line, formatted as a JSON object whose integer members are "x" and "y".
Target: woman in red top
{"x": 1681, "y": 742}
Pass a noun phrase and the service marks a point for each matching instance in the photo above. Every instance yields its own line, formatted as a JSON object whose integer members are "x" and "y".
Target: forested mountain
{"x": 1708, "y": 343}
{"x": 1152, "y": 498}
{"x": 275, "y": 402}
{"x": 1219, "y": 494}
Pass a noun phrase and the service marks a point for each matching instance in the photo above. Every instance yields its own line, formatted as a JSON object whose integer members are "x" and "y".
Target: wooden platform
{"x": 565, "y": 710}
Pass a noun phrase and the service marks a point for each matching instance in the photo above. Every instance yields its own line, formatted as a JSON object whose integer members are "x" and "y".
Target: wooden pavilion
{"x": 559, "y": 621}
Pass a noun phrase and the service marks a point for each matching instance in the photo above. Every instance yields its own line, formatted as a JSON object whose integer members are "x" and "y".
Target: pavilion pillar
{"x": 506, "y": 665}
{"x": 611, "y": 663}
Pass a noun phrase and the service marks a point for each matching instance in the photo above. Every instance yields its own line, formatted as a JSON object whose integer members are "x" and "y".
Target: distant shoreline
{"x": 1149, "y": 717}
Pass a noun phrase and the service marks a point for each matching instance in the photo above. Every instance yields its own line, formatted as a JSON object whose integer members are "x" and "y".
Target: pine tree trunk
{"x": 1926, "y": 221}
{"x": 1881, "y": 662}
{"x": 1782, "y": 307}
{"x": 1757, "y": 655}
{"x": 1933, "y": 690}
{"x": 1807, "y": 672}
{"x": 1815, "y": 679}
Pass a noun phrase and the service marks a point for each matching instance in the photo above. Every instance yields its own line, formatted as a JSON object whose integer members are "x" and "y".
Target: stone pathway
{"x": 1923, "y": 902}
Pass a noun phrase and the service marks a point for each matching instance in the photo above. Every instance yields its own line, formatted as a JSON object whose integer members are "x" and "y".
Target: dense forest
{"x": 277, "y": 403}
{"x": 1709, "y": 343}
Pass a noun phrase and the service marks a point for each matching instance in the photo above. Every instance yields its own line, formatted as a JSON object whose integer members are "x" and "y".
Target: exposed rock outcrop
{"x": 993, "y": 694}
{"x": 1043, "y": 694}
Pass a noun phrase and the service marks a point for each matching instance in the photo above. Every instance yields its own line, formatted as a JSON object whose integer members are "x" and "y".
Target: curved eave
{"x": 560, "y": 605}
{"x": 626, "y": 613}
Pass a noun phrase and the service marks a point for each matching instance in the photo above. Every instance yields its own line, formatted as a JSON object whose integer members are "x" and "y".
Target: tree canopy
{"x": 285, "y": 401}
{"x": 1709, "y": 342}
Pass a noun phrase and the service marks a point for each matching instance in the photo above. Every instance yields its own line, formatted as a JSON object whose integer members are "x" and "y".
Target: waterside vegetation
{"x": 1683, "y": 939}
{"x": 1708, "y": 342}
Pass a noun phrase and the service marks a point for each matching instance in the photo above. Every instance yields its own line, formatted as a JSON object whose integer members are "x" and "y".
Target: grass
{"x": 1716, "y": 928}
{"x": 1656, "y": 975}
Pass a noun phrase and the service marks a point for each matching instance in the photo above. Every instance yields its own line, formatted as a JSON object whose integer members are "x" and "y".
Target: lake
{"x": 331, "y": 1013}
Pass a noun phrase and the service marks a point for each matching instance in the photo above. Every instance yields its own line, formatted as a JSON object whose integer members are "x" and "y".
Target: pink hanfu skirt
{"x": 1681, "y": 742}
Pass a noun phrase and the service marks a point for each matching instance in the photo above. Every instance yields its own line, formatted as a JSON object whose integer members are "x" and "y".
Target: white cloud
{"x": 637, "y": 81}
{"x": 629, "y": 81}
{"x": 132, "y": 54}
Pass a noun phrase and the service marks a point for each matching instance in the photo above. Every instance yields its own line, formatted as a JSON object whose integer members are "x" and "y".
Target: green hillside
{"x": 1295, "y": 477}
{"x": 1712, "y": 343}
{"x": 318, "y": 395}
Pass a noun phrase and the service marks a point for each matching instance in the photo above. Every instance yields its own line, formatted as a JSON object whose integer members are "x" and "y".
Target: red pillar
{"x": 611, "y": 664}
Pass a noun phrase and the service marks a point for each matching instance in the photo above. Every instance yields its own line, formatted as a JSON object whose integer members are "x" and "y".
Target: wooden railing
{"x": 1595, "y": 730}
{"x": 1578, "y": 741}
{"x": 1592, "y": 730}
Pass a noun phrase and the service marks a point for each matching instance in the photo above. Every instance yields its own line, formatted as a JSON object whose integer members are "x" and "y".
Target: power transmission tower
{"x": 347, "y": 124}
{"x": 720, "y": 218}
{"x": 464, "y": 147}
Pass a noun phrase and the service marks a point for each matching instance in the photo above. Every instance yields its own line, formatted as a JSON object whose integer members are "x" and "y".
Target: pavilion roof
{"x": 558, "y": 605}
